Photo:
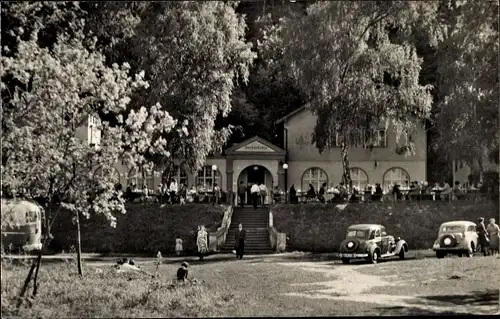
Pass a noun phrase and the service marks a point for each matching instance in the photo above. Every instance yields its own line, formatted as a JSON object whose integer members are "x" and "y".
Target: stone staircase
{"x": 256, "y": 223}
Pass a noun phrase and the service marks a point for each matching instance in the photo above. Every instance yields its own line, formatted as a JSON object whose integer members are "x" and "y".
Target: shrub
{"x": 144, "y": 229}
{"x": 321, "y": 228}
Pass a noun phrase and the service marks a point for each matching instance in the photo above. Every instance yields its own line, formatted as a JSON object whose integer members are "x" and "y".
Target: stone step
{"x": 248, "y": 226}
{"x": 255, "y": 247}
{"x": 259, "y": 231}
{"x": 249, "y": 240}
{"x": 250, "y": 251}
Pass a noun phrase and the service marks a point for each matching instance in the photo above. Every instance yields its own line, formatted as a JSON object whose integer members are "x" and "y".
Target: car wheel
{"x": 345, "y": 260}
{"x": 402, "y": 253}
{"x": 374, "y": 257}
{"x": 439, "y": 254}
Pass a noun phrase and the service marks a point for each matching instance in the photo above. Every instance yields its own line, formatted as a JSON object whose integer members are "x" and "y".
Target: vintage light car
{"x": 371, "y": 242}
{"x": 456, "y": 237}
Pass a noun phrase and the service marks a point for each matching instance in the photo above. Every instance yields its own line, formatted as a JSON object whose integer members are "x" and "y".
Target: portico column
{"x": 229, "y": 181}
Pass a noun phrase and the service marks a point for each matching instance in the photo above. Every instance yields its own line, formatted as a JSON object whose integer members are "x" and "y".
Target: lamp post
{"x": 285, "y": 167}
{"x": 214, "y": 169}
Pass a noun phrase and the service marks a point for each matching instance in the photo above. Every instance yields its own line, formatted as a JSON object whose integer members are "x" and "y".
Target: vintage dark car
{"x": 371, "y": 242}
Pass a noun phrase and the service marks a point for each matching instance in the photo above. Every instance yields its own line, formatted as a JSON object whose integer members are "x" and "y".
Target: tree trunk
{"x": 36, "y": 264}
{"x": 346, "y": 175}
{"x": 35, "y": 281}
{"x": 26, "y": 284}
{"x": 78, "y": 245}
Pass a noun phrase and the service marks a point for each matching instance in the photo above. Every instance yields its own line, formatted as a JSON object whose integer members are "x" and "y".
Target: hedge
{"x": 144, "y": 229}
{"x": 321, "y": 228}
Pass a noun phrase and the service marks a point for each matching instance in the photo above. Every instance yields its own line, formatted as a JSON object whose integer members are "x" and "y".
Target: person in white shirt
{"x": 173, "y": 190}
{"x": 255, "y": 190}
{"x": 263, "y": 194}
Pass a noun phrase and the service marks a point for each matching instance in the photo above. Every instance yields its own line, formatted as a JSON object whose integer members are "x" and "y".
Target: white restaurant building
{"x": 258, "y": 160}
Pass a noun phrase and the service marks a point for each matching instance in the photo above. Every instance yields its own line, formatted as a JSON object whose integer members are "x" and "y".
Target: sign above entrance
{"x": 256, "y": 147}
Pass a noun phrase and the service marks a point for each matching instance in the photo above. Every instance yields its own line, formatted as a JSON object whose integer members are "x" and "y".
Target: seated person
{"x": 355, "y": 196}
{"x": 343, "y": 191}
{"x": 446, "y": 191}
{"x": 414, "y": 193}
{"x": 457, "y": 191}
{"x": 311, "y": 193}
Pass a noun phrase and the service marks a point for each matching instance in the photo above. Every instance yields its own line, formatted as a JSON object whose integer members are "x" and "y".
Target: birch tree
{"x": 354, "y": 73}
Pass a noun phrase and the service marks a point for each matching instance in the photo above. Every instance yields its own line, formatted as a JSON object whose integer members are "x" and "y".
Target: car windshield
{"x": 452, "y": 229}
{"x": 356, "y": 233}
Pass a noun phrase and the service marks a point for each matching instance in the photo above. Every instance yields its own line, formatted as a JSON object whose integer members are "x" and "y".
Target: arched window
{"x": 359, "y": 177}
{"x": 177, "y": 172}
{"x": 112, "y": 173}
{"x": 205, "y": 179}
{"x": 140, "y": 177}
{"x": 395, "y": 175}
{"x": 315, "y": 176}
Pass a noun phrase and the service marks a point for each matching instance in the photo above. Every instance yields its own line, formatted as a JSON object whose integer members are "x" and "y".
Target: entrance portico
{"x": 254, "y": 160}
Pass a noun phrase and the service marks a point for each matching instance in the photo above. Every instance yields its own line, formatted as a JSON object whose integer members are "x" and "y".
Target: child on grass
{"x": 178, "y": 245}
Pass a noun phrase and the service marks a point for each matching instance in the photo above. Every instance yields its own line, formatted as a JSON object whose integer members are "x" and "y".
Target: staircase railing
{"x": 277, "y": 239}
{"x": 218, "y": 238}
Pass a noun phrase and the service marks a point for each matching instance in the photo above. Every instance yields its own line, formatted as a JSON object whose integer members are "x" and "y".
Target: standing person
{"x": 240, "y": 241}
{"x": 174, "y": 188}
{"x": 483, "y": 236}
{"x": 202, "y": 242}
{"x": 378, "y": 193}
{"x": 182, "y": 194}
{"x": 216, "y": 194}
{"x": 321, "y": 195}
{"x": 241, "y": 193}
{"x": 255, "y": 190}
{"x": 159, "y": 194}
{"x": 494, "y": 233}
{"x": 128, "y": 193}
{"x": 249, "y": 193}
{"x": 263, "y": 193}
{"x": 178, "y": 245}
{"x": 293, "y": 195}
{"x": 164, "y": 192}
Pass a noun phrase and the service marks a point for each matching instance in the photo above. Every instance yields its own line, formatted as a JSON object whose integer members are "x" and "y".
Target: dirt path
{"x": 348, "y": 284}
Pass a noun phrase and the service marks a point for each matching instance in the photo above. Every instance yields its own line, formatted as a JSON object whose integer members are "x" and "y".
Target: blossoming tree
{"x": 48, "y": 95}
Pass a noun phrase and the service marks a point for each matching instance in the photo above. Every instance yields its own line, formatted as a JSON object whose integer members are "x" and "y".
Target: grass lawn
{"x": 287, "y": 285}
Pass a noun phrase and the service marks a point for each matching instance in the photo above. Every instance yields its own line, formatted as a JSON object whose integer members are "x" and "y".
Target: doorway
{"x": 256, "y": 175}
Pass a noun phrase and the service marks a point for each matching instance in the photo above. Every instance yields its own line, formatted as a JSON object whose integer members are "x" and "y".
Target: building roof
{"x": 365, "y": 226}
{"x": 258, "y": 139}
{"x": 292, "y": 114}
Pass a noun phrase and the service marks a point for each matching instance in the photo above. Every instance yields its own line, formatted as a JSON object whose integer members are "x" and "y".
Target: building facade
{"x": 258, "y": 160}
